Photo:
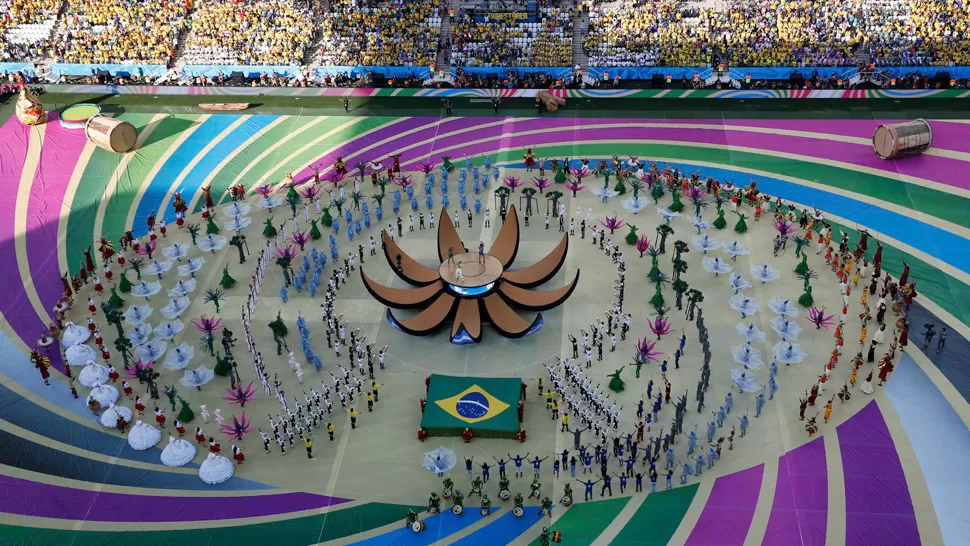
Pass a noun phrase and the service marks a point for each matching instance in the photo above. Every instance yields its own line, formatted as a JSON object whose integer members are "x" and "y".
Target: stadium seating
{"x": 481, "y": 41}
{"x": 402, "y": 34}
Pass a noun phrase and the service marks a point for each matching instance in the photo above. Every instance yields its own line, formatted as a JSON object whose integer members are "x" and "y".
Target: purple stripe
{"x": 14, "y": 304}
{"x": 877, "y": 502}
{"x": 29, "y": 498}
{"x": 400, "y": 126}
{"x": 939, "y": 169}
{"x": 729, "y": 510}
{"x": 58, "y": 157}
{"x": 800, "y": 510}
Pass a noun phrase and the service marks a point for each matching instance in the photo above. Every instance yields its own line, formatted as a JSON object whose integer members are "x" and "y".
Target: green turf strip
{"x": 129, "y": 182}
{"x": 583, "y": 522}
{"x": 657, "y": 518}
{"x": 90, "y": 191}
{"x": 291, "y": 532}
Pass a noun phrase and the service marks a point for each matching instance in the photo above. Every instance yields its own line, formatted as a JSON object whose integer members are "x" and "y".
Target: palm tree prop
{"x": 265, "y": 190}
{"x": 696, "y": 195}
{"x": 512, "y": 182}
{"x": 240, "y": 427}
{"x": 427, "y": 167}
{"x": 643, "y": 244}
{"x": 659, "y": 326}
{"x": 284, "y": 257}
{"x": 663, "y": 231}
{"x": 147, "y": 249}
{"x": 657, "y": 301}
{"x": 645, "y": 352}
{"x": 301, "y": 238}
{"x": 138, "y": 370}
{"x": 819, "y": 318}
{"x": 636, "y": 185}
{"x": 241, "y": 396}
{"x": 541, "y": 184}
{"x": 123, "y": 347}
{"x": 310, "y": 192}
{"x": 654, "y": 274}
{"x": 554, "y": 196}
{"x": 404, "y": 181}
{"x": 208, "y": 327}
{"x": 612, "y": 223}
{"x": 579, "y": 173}
{"x": 800, "y": 244}
{"x": 193, "y": 231}
{"x": 694, "y": 296}
{"x": 575, "y": 186}
{"x": 784, "y": 227}
{"x": 136, "y": 265}
{"x": 215, "y": 297}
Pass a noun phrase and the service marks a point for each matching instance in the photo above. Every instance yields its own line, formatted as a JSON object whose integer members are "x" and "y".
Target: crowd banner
{"x": 13, "y": 68}
{"x": 503, "y": 71}
{"x": 123, "y": 70}
{"x": 211, "y": 71}
{"x": 843, "y": 72}
{"x": 647, "y": 72}
{"x": 420, "y": 72}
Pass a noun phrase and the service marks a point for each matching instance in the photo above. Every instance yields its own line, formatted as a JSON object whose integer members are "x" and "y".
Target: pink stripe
{"x": 729, "y": 510}
{"x": 799, "y": 512}
{"x": 61, "y": 152}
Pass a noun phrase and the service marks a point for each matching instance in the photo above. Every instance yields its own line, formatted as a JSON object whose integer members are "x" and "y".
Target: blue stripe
{"x": 436, "y": 529}
{"x": 192, "y": 183}
{"x": 938, "y": 243}
{"x": 941, "y": 441}
{"x": 175, "y": 164}
{"x": 503, "y": 530}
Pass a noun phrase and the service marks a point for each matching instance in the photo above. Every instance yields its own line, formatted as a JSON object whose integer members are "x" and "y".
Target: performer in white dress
{"x": 178, "y": 452}
{"x": 215, "y": 469}
{"x": 143, "y": 436}
{"x": 74, "y": 335}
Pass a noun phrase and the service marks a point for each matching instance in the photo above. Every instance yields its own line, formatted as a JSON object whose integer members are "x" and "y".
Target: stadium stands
{"x": 487, "y": 41}
{"x": 398, "y": 34}
{"x": 25, "y": 27}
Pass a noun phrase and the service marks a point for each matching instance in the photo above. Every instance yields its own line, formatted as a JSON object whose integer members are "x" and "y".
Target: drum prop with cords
{"x": 518, "y": 511}
{"x": 446, "y": 493}
{"x": 456, "y": 510}
{"x": 566, "y": 500}
{"x": 902, "y": 139}
{"x": 504, "y": 494}
{"x": 417, "y": 526}
{"x": 486, "y": 511}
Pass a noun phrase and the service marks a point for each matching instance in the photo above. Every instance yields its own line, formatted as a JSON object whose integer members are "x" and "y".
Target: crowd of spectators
{"x": 120, "y": 31}
{"x": 25, "y": 28}
{"x": 488, "y": 41}
{"x": 780, "y": 33}
{"x": 260, "y": 32}
{"x": 396, "y": 33}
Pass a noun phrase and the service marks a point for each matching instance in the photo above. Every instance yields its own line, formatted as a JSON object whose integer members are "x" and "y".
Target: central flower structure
{"x": 469, "y": 288}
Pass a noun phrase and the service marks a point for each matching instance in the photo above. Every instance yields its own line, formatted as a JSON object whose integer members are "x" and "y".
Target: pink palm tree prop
{"x": 288, "y": 252}
{"x": 819, "y": 318}
{"x": 334, "y": 177}
{"x": 427, "y": 167}
{"x": 784, "y": 227}
{"x": 579, "y": 173}
{"x": 239, "y": 395}
{"x": 541, "y": 183}
{"x": 612, "y": 223}
{"x": 147, "y": 249}
{"x": 135, "y": 370}
{"x": 301, "y": 238}
{"x": 643, "y": 244}
{"x": 240, "y": 427}
{"x": 645, "y": 352}
{"x": 659, "y": 326}
{"x": 265, "y": 190}
{"x": 574, "y": 187}
{"x": 404, "y": 181}
{"x": 512, "y": 182}
{"x": 310, "y": 192}
{"x": 208, "y": 325}
{"x": 695, "y": 192}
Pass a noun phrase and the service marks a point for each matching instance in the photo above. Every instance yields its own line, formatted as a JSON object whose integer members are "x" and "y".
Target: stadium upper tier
{"x": 408, "y": 33}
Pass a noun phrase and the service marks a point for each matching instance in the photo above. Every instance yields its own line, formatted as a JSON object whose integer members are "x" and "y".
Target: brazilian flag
{"x": 486, "y": 406}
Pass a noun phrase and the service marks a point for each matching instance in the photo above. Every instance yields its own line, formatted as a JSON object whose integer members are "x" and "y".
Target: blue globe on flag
{"x": 473, "y": 405}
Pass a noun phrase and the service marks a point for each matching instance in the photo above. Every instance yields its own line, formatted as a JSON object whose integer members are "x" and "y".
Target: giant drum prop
{"x": 902, "y": 139}
{"x": 112, "y": 134}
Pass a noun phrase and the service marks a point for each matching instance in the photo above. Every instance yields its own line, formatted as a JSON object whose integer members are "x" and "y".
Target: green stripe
{"x": 295, "y": 532}
{"x": 90, "y": 191}
{"x": 657, "y": 519}
{"x": 146, "y": 157}
{"x": 583, "y": 523}
{"x": 220, "y": 183}
{"x": 943, "y": 289}
{"x": 929, "y": 201}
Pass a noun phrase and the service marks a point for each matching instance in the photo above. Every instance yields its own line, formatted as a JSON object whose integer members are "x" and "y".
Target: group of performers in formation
{"x": 571, "y": 392}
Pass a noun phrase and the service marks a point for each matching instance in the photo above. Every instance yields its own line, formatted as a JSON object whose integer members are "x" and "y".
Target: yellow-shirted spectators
{"x": 273, "y": 32}
{"x": 381, "y": 36}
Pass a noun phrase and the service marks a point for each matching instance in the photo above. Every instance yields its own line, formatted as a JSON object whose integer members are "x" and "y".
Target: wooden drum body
{"x": 902, "y": 139}
{"x": 112, "y": 134}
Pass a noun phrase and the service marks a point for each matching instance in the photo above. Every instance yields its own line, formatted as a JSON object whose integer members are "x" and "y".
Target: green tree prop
{"x": 720, "y": 222}
{"x": 294, "y": 201}
{"x": 185, "y": 412}
{"x": 327, "y": 220}
{"x": 631, "y": 237}
{"x": 676, "y": 205}
{"x": 802, "y": 266}
{"x": 657, "y": 301}
{"x": 193, "y": 231}
{"x": 135, "y": 265}
{"x": 124, "y": 284}
{"x": 741, "y": 226}
{"x": 664, "y": 231}
{"x": 278, "y": 327}
{"x": 210, "y": 225}
{"x": 617, "y": 384}
{"x": 315, "y": 230}
{"x": 554, "y": 196}
{"x": 694, "y": 296}
{"x": 800, "y": 244}
{"x": 227, "y": 281}
{"x": 215, "y": 297}
{"x": 620, "y": 187}
{"x": 806, "y": 299}
{"x": 115, "y": 300}
{"x": 654, "y": 273}
{"x": 269, "y": 230}
{"x": 223, "y": 365}
{"x": 680, "y": 286}
{"x": 657, "y": 191}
